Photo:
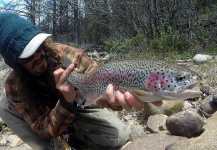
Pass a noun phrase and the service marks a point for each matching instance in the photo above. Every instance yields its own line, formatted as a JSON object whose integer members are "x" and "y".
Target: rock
{"x": 16, "y": 142}
{"x": 137, "y": 131}
{"x": 3, "y": 142}
{"x": 4, "y": 71}
{"x": 185, "y": 123}
{"x": 99, "y": 56}
{"x": 157, "y": 123}
{"x": 201, "y": 58}
{"x": 215, "y": 96}
{"x": 208, "y": 105}
{"x": 129, "y": 119}
{"x": 12, "y": 138}
{"x": 206, "y": 141}
{"x": 206, "y": 89}
{"x": 187, "y": 105}
{"x": 168, "y": 108}
{"x": 152, "y": 142}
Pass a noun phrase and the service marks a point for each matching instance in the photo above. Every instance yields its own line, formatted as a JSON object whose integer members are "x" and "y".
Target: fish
{"x": 147, "y": 80}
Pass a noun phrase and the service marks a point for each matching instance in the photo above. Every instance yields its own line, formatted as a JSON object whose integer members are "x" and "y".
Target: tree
{"x": 76, "y": 23}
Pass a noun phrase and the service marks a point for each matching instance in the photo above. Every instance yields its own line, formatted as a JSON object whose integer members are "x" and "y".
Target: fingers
{"x": 57, "y": 74}
{"x": 66, "y": 88}
{"x": 121, "y": 100}
{"x": 110, "y": 94}
{"x": 132, "y": 101}
{"x": 66, "y": 73}
{"x": 60, "y": 75}
{"x": 126, "y": 100}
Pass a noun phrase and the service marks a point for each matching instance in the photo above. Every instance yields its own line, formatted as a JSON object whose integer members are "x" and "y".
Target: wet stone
{"x": 153, "y": 142}
{"x": 185, "y": 123}
{"x": 207, "y": 89}
{"x": 157, "y": 123}
{"x": 215, "y": 98}
{"x": 206, "y": 141}
{"x": 208, "y": 105}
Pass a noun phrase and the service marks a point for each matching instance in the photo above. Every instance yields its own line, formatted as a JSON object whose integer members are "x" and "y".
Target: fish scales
{"x": 147, "y": 80}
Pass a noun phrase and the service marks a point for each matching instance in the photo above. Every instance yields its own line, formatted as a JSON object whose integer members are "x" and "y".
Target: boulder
{"x": 201, "y": 58}
{"x": 152, "y": 142}
{"x": 157, "y": 123}
{"x": 206, "y": 141}
{"x": 185, "y": 123}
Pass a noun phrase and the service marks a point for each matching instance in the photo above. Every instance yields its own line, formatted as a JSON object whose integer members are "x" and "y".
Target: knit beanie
{"x": 15, "y": 34}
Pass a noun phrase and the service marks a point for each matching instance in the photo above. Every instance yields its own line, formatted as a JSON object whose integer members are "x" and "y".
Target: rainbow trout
{"x": 147, "y": 80}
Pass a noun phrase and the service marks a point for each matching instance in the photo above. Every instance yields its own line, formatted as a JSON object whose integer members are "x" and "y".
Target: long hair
{"x": 27, "y": 84}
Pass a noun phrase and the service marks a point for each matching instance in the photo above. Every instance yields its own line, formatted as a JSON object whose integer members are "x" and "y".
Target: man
{"x": 40, "y": 103}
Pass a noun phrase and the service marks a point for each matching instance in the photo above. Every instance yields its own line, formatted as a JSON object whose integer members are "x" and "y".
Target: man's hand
{"x": 124, "y": 100}
{"x": 83, "y": 63}
{"x": 66, "y": 88}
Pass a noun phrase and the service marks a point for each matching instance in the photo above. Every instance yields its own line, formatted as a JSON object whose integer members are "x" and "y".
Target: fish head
{"x": 173, "y": 83}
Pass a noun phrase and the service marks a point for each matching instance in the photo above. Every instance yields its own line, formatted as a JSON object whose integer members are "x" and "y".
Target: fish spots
{"x": 160, "y": 77}
{"x": 156, "y": 81}
{"x": 113, "y": 76}
{"x": 160, "y": 81}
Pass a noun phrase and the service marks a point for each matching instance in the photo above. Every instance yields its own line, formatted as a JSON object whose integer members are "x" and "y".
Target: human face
{"x": 36, "y": 64}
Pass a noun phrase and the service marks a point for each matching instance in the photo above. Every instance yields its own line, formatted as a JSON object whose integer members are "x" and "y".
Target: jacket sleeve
{"x": 46, "y": 122}
{"x": 76, "y": 56}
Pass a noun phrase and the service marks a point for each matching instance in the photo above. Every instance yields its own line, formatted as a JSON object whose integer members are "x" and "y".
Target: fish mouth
{"x": 189, "y": 88}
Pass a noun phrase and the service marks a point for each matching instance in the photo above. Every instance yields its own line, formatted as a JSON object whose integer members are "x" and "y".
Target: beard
{"x": 30, "y": 86}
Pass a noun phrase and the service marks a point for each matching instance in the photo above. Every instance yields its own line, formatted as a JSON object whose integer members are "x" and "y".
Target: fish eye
{"x": 181, "y": 77}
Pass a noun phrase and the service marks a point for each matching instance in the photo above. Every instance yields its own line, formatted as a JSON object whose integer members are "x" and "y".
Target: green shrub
{"x": 139, "y": 40}
{"x": 202, "y": 35}
{"x": 170, "y": 42}
{"x": 114, "y": 45}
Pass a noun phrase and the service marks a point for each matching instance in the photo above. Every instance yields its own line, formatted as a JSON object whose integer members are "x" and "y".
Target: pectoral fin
{"x": 141, "y": 95}
{"x": 134, "y": 91}
{"x": 141, "y": 92}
